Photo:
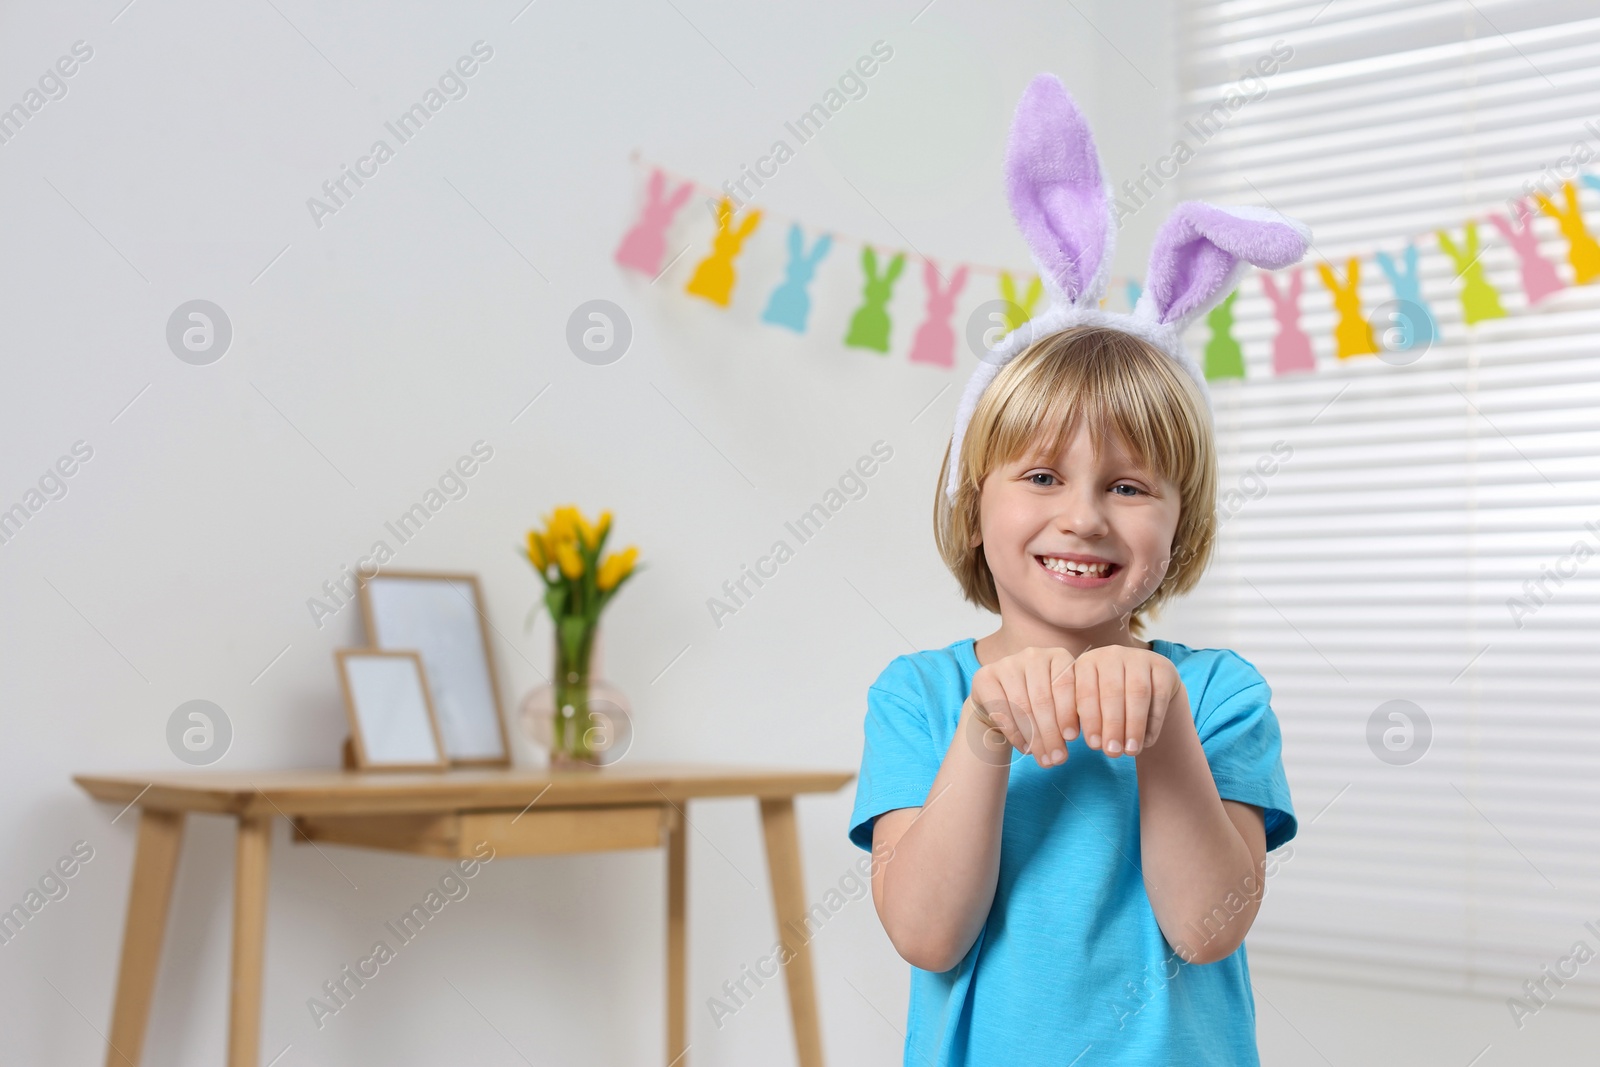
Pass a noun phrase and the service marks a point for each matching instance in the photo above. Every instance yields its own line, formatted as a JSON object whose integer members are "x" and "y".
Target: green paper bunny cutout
{"x": 1224, "y": 357}
{"x": 869, "y": 326}
{"x": 1479, "y": 301}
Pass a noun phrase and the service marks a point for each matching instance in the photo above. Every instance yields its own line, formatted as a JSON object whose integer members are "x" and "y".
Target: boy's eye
{"x": 1049, "y": 479}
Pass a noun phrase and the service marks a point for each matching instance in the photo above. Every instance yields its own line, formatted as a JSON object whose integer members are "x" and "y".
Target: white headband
{"x": 1059, "y": 197}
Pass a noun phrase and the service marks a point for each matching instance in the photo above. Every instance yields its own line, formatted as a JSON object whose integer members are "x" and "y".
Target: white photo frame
{"x": 440, "y": 617}
{"x": 392, "y": 724}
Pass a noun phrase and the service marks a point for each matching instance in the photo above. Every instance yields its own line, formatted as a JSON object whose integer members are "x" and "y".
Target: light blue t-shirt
{"x": 1070, "y": 966}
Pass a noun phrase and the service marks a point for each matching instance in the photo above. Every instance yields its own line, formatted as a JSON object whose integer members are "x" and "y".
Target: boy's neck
{"x": 1010, "y": 639}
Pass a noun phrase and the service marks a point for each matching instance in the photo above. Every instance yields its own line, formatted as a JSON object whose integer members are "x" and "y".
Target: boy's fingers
{"x": 1021, "y": 713}
{"x": 1172, "y": 689}
{"x": 1063, "y": 685}
{"x": 1113, "y": 711}
{"x": 1003, "y": 712}
{"x": 1087, "y": 694}
{"x": 1041, "y": 698}
{"x": 1140, "y": 692}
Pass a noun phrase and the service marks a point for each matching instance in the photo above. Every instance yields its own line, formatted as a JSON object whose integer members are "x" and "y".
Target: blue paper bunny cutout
{"x": 789, "y": 304}
{"x": 1407, "y": 287}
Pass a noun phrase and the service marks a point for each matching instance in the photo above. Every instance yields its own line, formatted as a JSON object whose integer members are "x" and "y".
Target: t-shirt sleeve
{"x": 1240, "y": 736}
{"x": 899, "y": 761}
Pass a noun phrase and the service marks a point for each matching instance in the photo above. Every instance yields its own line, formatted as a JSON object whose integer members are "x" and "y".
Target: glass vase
{"x": 581, "y": 720}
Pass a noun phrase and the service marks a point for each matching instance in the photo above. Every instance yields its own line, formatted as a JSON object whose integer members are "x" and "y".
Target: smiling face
{"x": 1075, "y": 543}
{"x": 1029, "y": 484}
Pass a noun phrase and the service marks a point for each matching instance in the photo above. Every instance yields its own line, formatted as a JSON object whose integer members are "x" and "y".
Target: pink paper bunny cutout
{"x": 1291, "y": 349}
{"x": 935, "y": 342}
{"x": 1539, "y": 278}
{"x": 644, "y": 245}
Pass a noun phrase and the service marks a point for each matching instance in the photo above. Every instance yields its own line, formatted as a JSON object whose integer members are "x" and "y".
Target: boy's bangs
{"x": 1103, "y": 390}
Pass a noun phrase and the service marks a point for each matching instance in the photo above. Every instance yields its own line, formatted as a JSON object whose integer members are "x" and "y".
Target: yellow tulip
{"x": 593, "y": 532}
{"x": 567, "y": 556}
{"x": 536, "y": 551}
{"x": 616, "y": 567}
{"x": 562, "y": 525}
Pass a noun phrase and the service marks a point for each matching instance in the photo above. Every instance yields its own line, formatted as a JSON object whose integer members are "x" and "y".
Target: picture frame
{"x": 439, "y": 615}
{"x": 392, "y": 722}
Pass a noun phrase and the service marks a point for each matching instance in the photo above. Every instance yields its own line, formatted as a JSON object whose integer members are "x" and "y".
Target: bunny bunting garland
{"x": 1061, "y": 201}
{"x": 1063, "y": 206}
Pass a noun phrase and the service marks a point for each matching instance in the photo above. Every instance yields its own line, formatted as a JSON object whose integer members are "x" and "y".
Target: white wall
{"x": 375, "y": 351}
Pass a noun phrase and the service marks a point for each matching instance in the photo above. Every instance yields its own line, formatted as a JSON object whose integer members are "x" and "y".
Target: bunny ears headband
{"x": 1060, "y": 200}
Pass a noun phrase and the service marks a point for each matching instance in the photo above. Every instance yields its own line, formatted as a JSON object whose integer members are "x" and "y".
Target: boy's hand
{"x": 1122, "y": 697}
{"x": 1040, "y": 698}
{"x": 1019, "y": 696}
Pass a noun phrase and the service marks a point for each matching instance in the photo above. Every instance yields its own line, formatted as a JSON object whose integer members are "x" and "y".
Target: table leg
{"x": 789, "y": 901}
{"x": 154, "y": 864}
{"x": 249, "y": 939}
{"x": 677, "y": 945}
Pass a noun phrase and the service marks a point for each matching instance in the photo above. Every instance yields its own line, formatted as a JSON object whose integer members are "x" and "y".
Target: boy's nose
{"x": 1082, "y": 514}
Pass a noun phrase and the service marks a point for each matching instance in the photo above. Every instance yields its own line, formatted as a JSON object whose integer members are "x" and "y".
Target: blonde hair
{"x": 1121, "y": 385}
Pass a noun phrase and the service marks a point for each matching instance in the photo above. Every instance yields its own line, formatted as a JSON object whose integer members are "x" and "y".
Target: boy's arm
{"x": 1203, "y": 857}
{"x": 934, "y": 890}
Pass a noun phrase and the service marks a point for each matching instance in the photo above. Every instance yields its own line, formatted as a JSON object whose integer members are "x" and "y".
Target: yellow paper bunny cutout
{"x": 1582, "y": 250}
{"x": 1352, "y": 336}
{"x": 714, "y": 277}
{"x": 1019, "y": 311}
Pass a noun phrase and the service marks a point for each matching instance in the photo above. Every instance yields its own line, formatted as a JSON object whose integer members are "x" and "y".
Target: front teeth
{"x": 1081, "y": 570}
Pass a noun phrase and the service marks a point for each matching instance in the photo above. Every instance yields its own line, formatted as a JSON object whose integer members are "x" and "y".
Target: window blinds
{"x": 1383, "y": 521}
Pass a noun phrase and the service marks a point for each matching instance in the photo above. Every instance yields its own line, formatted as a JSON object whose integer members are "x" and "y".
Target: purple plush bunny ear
{"x": 1201, "y": 251}
{"x": 1058, "y": 194}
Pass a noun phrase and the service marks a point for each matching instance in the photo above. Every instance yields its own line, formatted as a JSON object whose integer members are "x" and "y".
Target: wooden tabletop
{"x": 331, "y": 791}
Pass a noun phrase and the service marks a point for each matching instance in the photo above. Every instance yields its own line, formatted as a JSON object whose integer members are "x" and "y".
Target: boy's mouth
{"x": 1078, "y": 572}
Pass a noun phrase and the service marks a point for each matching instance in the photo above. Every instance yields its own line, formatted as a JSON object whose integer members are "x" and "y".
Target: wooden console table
{"x": 519, "y": 812}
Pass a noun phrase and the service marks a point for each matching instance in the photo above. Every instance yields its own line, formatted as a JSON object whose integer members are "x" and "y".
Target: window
{"x": 1429, "y": 531}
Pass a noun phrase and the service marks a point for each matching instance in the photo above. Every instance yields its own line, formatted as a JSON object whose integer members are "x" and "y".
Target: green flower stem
{"x": 573, "y": 728}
